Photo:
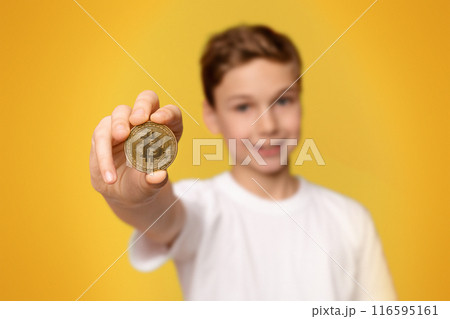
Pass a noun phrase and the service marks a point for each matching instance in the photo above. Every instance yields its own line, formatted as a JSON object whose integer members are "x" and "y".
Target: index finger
{"x": 169, "y": 115}
{"x": 146, "y": 103}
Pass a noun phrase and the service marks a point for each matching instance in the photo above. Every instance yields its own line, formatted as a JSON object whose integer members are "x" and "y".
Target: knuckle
{"x": 141, "y": 103}
{"x": 116, "y": 120}
{"x": 167, "y": 111}
{"x": 118, "y": 123}
{"x": 100, "y": 134}
{"x": 173, "y": 113}
{"x": 175, "y": 109}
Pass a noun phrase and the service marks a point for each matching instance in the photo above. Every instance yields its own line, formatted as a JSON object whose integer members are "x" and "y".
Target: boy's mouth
{"x": 270, "y": 150}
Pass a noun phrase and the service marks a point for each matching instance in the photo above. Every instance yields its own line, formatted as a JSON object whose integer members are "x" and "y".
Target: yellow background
{"x": 376, "y": 104}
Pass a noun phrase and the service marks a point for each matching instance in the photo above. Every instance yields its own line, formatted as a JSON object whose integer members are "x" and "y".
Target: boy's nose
{"x": 267, "y": 124}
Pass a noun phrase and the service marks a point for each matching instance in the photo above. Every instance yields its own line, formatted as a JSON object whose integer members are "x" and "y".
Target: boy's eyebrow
{"x": 289, "y": 89}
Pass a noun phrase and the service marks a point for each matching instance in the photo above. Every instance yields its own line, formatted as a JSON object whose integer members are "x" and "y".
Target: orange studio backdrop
{"x": 376, "y": 104}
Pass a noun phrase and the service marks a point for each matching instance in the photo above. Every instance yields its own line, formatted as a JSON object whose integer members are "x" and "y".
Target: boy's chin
{"x": 270, "y": 168}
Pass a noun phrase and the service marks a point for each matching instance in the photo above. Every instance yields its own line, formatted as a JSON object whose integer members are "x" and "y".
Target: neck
{"x": 278, "y": 185}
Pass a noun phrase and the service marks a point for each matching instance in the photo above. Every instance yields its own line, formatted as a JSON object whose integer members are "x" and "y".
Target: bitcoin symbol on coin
{"x": 150, "y": 147}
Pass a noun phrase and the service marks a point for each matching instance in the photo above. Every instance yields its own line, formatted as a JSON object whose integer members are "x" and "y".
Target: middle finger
{"x": 146, "y": 103}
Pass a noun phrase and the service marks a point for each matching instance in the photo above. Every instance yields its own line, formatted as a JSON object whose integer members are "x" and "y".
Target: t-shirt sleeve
{"x": 372, "y": 270}
{"x": 147, "y": 255}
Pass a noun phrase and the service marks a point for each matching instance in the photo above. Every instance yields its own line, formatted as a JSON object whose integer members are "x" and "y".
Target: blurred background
{"x": 376, "y": 105}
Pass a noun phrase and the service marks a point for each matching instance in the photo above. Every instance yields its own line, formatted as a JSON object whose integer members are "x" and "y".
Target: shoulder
{"x": 343, "y": 211}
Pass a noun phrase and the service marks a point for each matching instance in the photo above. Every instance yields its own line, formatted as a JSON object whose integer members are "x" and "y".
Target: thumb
{"x": 156, "y": 179}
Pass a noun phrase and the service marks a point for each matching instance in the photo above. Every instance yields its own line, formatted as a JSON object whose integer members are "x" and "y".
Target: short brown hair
{"x": 240, "y": 44}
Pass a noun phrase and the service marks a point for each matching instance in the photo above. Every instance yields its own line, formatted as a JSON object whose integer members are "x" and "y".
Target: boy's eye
{"x": 283, "y": 100}
{"x": 242, "y": 107}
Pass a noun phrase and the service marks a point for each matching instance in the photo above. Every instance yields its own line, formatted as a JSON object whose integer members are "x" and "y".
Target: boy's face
{"x": 243, "y": 95}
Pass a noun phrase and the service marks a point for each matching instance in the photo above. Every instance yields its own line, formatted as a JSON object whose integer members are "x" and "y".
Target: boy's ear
{"x": 210, "y": 117}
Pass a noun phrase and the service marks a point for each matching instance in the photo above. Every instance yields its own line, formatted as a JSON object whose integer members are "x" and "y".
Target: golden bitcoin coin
{"x": 150, "y": 147}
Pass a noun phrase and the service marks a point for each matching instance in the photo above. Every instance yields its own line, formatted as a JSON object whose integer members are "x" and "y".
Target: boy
{"x": 256, "y": 232}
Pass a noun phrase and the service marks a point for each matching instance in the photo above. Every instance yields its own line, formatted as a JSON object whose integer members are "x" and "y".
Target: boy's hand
{"x": 110, "y": 174}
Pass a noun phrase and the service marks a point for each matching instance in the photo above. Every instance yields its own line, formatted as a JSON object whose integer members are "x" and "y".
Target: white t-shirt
{"x": 315, "y": 245}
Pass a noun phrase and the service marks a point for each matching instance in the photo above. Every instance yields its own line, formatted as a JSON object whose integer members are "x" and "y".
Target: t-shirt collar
{"x": 233, "y": 189}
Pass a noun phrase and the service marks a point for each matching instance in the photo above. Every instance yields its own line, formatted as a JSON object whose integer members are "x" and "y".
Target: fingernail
{"x": 109, "y": 176}
{"x": 120, "y": 127}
